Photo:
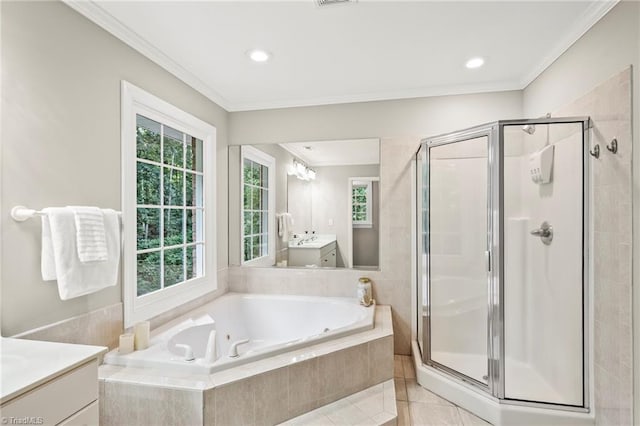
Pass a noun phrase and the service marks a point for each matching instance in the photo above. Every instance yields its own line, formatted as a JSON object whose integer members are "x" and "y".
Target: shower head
{"x": 529, "y": 128}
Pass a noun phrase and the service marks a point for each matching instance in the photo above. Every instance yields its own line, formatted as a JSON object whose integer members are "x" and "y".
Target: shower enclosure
{"x": 502, "y": 262}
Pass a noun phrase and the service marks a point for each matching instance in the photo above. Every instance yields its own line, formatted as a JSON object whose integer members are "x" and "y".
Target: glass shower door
{"x": 458, "y": 256}
{"x": 422, "y": 203}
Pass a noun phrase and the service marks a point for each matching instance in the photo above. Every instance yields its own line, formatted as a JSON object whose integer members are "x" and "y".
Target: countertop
{"x": 26, "y": 364}
{"x": 315, "y": 244}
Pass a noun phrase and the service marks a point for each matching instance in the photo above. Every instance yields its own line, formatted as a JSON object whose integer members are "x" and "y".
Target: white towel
{"x": 60, "y": 259}
{"x": 90, "y": 234}
{"x": 47, "y": 259}
{"x": 285, "y": 224}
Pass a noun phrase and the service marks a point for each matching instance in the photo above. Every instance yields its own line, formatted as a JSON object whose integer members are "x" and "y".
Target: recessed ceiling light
{"x": 258, "y": 55}
{"x": 474, "y": 63}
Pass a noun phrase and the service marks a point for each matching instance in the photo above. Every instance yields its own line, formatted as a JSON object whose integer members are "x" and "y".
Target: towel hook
{"x": 596, "y": 151}
{"x": 613, "y": 146}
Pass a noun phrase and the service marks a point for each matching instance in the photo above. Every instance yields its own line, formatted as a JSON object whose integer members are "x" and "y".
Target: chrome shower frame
{"x": 495, "y": 242}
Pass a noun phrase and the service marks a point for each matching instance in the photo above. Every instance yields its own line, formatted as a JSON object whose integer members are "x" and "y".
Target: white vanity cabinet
{"x": 328, "y": 257}
{"x": 322, "y": 253}
{"x": 49, "y": 383}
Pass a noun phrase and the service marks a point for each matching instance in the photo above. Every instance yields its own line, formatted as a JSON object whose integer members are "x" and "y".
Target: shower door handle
{"x": 545, "y": 232}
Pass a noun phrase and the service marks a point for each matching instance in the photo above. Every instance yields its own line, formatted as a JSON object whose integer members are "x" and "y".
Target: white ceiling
{"x": 369, "y": 50}
{"x": 337, "y": 152}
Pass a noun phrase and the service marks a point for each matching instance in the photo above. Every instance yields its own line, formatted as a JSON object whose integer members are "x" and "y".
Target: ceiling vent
{"x": 329, "y": 2}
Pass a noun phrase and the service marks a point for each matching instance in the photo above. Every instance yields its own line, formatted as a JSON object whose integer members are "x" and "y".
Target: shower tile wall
{"x": 392, "y": 284}
{"x": 609, "y": 106}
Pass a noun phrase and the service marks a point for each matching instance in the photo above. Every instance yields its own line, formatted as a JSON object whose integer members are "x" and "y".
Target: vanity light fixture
{"x": 475, "y": 63}
{"x": 301, "y": 171}
{"x": 258, "y": 55}
{"x": 311, "y": 174}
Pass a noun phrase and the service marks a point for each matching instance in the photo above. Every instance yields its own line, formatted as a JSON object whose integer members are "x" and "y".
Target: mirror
{"x": 305, "y": 204}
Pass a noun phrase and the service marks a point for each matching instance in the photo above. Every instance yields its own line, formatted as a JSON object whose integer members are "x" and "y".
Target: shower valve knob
{"x": 545, "y": 232}
{"x": 540, "y": 232}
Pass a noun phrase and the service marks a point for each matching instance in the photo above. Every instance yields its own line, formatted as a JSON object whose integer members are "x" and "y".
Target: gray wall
{"x": 606, "y": 49}
{"x": 329, "y": 203}
{"x": 61, "y": 142}
{"x": 397, "y": 118}
{"x": 366, "y": 240}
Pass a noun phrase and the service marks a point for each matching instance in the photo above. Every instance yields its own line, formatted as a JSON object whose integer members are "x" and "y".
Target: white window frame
{"x": 368, "y": 222}
{"x": 268, "y": 161}
{"x": 138, "y": 308}
{"x": 350, "y": 223}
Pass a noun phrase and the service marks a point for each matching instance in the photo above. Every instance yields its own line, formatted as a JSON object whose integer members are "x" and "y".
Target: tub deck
{"x": 266, "y": 391}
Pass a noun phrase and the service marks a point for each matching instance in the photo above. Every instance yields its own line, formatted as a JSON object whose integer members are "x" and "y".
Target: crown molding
{"x": 293, "y": 153}
{"x": 588, "y": 19}
{"x": 424, "y": 92}
{"x": 108, "y": 22}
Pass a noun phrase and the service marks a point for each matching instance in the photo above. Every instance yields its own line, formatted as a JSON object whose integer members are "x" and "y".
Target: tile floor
{"x": 373, "y": 406}
{"x": 419, "y": 407}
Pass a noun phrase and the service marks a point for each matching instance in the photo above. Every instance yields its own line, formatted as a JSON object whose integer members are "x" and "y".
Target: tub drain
{"x": 325, "y": 330}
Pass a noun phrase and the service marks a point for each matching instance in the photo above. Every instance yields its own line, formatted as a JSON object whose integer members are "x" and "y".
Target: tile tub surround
{"x": 609, "y": 106}
{"x": 267, "y": 391}
{"x": 103, "y": 326}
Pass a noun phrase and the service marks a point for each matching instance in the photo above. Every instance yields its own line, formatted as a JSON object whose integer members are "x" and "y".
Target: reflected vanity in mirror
{"x": 305, "y": 204}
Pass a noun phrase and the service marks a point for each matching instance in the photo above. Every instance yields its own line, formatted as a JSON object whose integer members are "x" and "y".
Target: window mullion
{"x": 184, "y": 203}
{"x": 168, "y": 166}
{"x": 243, "y": 251}
{"x": 161, "y": 207}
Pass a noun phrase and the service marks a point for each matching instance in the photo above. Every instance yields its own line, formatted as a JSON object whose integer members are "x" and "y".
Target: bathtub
{"x": 272, "y": 324}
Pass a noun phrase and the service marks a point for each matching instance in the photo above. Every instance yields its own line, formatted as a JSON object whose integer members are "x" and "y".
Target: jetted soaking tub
{"x": 272, "y": 324}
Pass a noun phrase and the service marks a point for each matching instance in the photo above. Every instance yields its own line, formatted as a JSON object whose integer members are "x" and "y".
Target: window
{"x": 170, "y": 242}
{"x": 361, "y": 204}
{"x": 258, "y": 207}
{"x": 168, "y": 205}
